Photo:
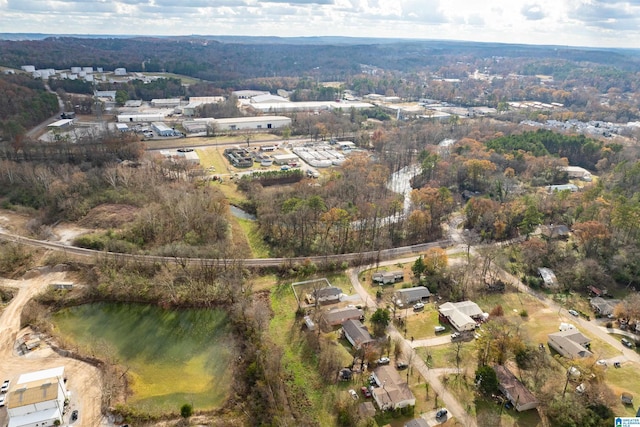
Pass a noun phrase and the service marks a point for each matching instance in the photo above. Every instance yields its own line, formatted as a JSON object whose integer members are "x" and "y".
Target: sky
{"x": 596, "y": 23}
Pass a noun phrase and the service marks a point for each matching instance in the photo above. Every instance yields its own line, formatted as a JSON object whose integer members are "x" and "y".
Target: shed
{"x": 59, "y": 124}
{"x": 548, "y": 277}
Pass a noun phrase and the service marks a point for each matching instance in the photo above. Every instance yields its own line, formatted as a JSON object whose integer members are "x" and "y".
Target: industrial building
{"x": 289, "y": 107}
{"x": 120, "y": 71}
{"x": 37, "y": 399}
{"x": 60, "y": 124}
{"x": 248, "y": 94}
{"x": 165, "y": 103}
{"x": 285, "y": 159}
{"x": 260, "y": 122}
{"x": 150, "y": 117}
{"x": 162, "y": 130}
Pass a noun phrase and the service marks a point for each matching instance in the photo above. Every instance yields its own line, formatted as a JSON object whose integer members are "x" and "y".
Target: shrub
{"x": 186, "y": 410}
{"x": 524, "y": 313}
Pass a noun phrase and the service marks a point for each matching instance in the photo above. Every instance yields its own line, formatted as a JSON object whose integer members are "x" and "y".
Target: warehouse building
{"x": 260, "y": 122}
{"x": 162, "y": 130}
{"x": 150, "y": 117}
{"x": 37, "y": 399}
{"x": 165, "y": 103}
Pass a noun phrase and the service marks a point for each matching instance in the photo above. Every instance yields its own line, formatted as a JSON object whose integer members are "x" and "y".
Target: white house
{"x": 37, "y": 399}
{"x": 461, "y": 315}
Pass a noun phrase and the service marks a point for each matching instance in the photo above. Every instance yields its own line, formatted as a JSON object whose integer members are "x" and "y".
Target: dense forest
{"x": 24, "y": 102}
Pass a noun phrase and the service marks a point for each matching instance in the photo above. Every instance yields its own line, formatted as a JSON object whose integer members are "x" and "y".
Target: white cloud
{"x": 575, "y": 22}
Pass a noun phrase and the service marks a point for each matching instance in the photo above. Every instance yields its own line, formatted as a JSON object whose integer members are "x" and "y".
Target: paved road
{"x": 34, "y": 132}
{"x": 430, "y": 375}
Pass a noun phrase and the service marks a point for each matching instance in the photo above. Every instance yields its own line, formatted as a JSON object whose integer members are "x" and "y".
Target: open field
{"x": 173, "y": 357}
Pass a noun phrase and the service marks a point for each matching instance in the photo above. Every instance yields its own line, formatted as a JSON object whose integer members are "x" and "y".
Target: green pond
{"x": 172, "y": 356}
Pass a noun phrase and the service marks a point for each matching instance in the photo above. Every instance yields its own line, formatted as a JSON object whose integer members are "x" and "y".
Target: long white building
{"x": 37, "y": 399}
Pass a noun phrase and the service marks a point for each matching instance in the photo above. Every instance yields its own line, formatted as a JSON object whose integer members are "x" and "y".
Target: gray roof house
{"x": 356, "y": 333}
{"x": 521, "y": 398}
{"x": 603, "y": 306}
{"x": 388, "y": 277}
{"x": 339, "y": 316}
{"x": 570, "y": 343}
{"x": 328, "y": 295}
{"x": 392, "y": 392}
{"x": 409, "y": 296}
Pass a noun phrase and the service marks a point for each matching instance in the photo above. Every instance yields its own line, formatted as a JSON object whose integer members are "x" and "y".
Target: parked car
{"x": 574, "y": 313}
{"x": 2, "y": 396}
{"x": 625, "y": 342}
{"x": 617, "y": 365}
{"x": 440, "y": 329}
{"x": 401, "y": 365}
{"x": 383, "y": 361}
{"x": 285, "y": 168}
{"x": 74, "y": 416}
{"x": 418, "y": 306}
{"x": 365, "y": 392}
{"x": 372, "y": 380}
{"x": 185, "y": 150}
{"x": 5, "y": 386}
{"x": 455, "y": 335}
{"x": 601, "y": 362}
{"x": 353, "y": 394}
{"x": 442, "y": 413}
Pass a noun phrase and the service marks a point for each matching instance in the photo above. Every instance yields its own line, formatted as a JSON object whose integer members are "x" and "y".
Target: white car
{"x": 5, "y": 386}
{"x": 418, "y": 306}
{"x": 440, "y": 329}
{"x": 2, "y": 396}
{"x": 573, "y": 313}
{"x": 383, "y": 361}
{"x": 601, "y": 362}
{"x": 353, "y": 394}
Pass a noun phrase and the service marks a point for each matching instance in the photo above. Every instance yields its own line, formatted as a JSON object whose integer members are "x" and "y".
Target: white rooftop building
{"x": 37, "y": 399}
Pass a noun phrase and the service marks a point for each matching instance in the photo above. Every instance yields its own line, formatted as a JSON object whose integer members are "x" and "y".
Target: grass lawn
{"x": 259, "y": 249}
{"x": 420, "y": 325}
{"x": 625, "y": 379}
{"x": 486, "y": 411}
{"x": 299, "y": 361}
{"x": 443, "y": 356}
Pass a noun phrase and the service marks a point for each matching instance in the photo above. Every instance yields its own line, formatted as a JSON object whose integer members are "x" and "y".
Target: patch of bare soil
{"x": 109, "y": 216}
{"x": 13, "y": 222}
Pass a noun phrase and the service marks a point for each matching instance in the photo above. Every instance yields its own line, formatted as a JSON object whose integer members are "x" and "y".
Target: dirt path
{"x": 83, "y": 380}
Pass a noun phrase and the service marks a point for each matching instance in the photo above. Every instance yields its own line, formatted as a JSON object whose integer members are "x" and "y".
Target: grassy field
{"x": 173, "y": 357}
{"x": 421, "y": 325}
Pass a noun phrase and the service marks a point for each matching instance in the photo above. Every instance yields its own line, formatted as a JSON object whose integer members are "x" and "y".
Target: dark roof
{"x": 327, "y": 292}
{"x": 358, "y": 333}
{"x": 337, "y": 317}
{"x": 413, "y": 294}
{"x": 516, "y": 391}
{"x": 604, "y": 306}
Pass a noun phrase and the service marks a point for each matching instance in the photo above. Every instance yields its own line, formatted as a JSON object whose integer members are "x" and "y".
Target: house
{"x": 387, "y": 277}
{"x": 521, "y": 398}
{"x": 548, "y": 277}
{"x": 356, "y": 333}
{"x": 462, "y": 316}
{"x": 570, "y": 343}
{"x": 391, "y": 393}
{"x": 338, "y": 316}
{"x": 603, "y": 307}
{"x": 328, "y": 295}
{"x": 408, "y": 296}
{"x": 37, "y": 399}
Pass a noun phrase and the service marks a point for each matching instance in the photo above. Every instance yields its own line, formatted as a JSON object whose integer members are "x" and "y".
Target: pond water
{"x": 172, "y": 356}
{"x": 239, "y": 213}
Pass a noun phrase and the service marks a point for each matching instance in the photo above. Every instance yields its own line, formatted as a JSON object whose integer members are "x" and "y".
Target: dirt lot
{"x": 83, "y": 380}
